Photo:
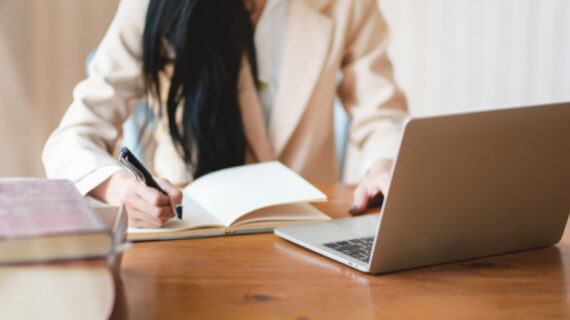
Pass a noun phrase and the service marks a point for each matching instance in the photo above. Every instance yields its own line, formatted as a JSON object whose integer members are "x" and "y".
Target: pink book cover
{"x": 42, "y": 207}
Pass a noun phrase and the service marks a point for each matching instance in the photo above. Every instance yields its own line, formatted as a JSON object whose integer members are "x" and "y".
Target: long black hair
{"x": 209, "y": 39}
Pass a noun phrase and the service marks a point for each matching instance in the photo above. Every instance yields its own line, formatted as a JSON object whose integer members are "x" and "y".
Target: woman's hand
{"x": 146, "y": 206}
{"x": 373, "y": 187}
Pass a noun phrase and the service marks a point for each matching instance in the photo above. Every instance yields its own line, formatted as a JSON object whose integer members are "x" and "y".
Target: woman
{"x": 232, "y": 82}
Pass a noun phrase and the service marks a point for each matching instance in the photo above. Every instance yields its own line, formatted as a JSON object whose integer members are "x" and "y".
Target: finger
{"x": 162, "y": 213}
{"x": 142, "y": 218}
{"x": 360, "y": 201}
{"x": 173, "y": 192}
{"x": 379, "y": 175}
{"x": 382, "y": 183}
{"x": 152, "y": 202}
{"x": 138, "y": 205}
{"x": 373, "y": 192}
{"x": 152, "y": 195}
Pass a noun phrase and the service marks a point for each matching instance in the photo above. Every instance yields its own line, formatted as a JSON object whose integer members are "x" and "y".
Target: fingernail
{"x": 352, "y": 208}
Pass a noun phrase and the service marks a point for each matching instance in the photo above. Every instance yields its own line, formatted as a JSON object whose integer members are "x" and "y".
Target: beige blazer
{"x": 322, "y": 38}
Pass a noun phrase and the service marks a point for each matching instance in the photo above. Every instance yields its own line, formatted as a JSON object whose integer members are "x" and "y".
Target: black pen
{"x": 142, "y": 174}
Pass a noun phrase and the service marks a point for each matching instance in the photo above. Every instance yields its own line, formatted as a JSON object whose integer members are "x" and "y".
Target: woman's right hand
{"x": 146, "y": 206}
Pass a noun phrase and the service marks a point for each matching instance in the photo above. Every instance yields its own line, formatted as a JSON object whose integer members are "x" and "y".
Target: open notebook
{"x": 246, "y": 199}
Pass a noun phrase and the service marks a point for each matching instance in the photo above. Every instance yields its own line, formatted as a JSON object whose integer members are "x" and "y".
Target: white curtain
{"x": 460, "y": 55}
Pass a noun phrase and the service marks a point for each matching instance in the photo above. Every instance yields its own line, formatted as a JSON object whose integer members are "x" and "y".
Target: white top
{"x": 269, "y": 41}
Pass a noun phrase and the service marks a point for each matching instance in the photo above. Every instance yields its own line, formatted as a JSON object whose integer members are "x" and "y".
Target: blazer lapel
{"x": 307, "y": 42}
{"x": 252, "y": 115}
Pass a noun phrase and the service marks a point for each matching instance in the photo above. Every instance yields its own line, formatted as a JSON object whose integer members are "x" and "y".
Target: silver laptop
{"x": 463, "y": 186}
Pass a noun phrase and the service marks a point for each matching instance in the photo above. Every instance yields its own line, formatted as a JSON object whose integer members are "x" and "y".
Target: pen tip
{"x": 179, "y": 210}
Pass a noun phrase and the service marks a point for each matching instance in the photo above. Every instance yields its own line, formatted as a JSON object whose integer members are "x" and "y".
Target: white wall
{"x": 19, "y": 143}
{"x": 460, "y": 55}
{"x": 43, "y": 46}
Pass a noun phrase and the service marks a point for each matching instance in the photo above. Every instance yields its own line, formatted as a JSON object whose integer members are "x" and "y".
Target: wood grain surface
{"x": 265, "y": 277}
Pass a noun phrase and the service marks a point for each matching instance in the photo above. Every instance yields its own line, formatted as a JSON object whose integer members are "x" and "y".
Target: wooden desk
{"x": 263, "y": 276}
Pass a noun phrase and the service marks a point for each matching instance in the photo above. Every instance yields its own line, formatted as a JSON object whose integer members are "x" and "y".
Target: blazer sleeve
{"x": 81, "y": 147}
{"x": 375, "y": 104}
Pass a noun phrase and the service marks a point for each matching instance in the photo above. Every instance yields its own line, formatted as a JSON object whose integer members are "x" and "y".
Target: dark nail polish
{"x": 352, "y": 208}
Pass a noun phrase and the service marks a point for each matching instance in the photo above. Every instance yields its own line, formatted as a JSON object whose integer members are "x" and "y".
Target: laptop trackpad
{"x": 333, "y": 230}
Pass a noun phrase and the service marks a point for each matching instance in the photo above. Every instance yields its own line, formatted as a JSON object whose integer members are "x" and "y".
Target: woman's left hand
{"x": 373, "y": 187}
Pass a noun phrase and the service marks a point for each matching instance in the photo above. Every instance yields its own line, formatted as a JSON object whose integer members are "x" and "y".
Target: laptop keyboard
{"x": 357, "y": 248}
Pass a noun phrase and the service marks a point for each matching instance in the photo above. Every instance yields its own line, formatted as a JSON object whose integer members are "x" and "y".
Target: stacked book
{"x": 59, "y": 255}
